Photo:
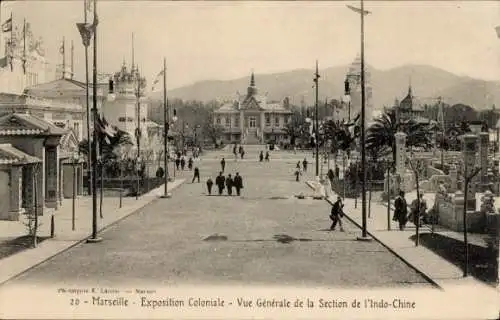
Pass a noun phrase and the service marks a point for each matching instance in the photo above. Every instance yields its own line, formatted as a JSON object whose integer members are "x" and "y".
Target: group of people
{"x": 228, "y": 182}
{"x": 417, "y": 215}
{"x": 261, "y": 156}
{"x": 239, "y": 151}
{"x": 180, "y": 161}
{"x": 298, "y": 169}
{"x": 418, "y": 210}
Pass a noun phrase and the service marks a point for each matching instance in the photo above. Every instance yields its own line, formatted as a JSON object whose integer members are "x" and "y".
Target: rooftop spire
{"x": 409, "y": 87}
{"x": 252, "y": 80}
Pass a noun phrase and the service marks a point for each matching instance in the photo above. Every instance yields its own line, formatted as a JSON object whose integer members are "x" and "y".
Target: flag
{"x": 157, "y": 79}
{"x": 104, "y": 130}
{"x": 357, "y": 10}
{"x": 7, "y": 25}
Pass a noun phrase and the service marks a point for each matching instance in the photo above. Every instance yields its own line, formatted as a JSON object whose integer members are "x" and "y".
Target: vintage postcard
{"x": 249, "y": 159}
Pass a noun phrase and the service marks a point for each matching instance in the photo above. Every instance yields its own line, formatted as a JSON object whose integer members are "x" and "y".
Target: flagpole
{"x": 166, "y": 120}
{"x": 64, "y": 58}
{"x": 72, "y": 60}
{"x": 24, "y": 46}
{"x": 94, "y": 237}
{"x": 11, "y": 42}
{"x": 89, "y": 146}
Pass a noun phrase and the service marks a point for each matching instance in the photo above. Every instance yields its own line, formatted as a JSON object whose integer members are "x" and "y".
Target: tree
{"x": 382, "y": 133}
{"x": 296, "y": 128}
{"x": 211, "y": 130}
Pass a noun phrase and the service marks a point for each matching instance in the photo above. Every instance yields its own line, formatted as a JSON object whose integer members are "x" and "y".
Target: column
{"x": 262, "y": 125}
{"x": 469, "y": 153}
{"x": 400, "y": 153}
{"x": 15, "y": 193}
{"x": 242, "y": 127}
{"x": 51, "y": 176}
{"x": 484, "y": 139}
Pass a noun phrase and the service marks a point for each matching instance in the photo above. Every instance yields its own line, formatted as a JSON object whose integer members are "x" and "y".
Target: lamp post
{"x": 362, "y": 13}
{"x": 316, "y": 82}
{"x": 74, "y": 163}
{"x": 94, "y": 237}
{"x": 166, "y": 123}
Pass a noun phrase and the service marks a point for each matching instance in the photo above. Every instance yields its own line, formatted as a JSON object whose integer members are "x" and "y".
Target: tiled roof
{"x": 11, "y": 155}
{"x": 27, "y": 124}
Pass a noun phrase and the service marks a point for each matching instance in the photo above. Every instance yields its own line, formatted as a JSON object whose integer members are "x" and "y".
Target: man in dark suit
{"x": 229, "y": 185}
{"x": 238, "y": 183}
{"x": 401, "y": 210}
{"x": 220, "y": 182}
{"x": 337, "y": 214}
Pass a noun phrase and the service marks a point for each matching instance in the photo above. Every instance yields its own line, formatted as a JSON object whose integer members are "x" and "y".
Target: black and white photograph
{"x": 249, "y": 159}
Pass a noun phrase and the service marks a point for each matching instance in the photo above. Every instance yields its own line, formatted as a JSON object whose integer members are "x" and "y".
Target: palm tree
{"x": 382, "y": 133}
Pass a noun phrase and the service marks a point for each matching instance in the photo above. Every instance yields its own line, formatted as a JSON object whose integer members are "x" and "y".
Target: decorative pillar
{"x": 262, "y": 125}
{"x": 400, "y": 152}
{"x": 15, "y": 193}
{"x": 51, "y": 177}
{"x": 453, "y": 178}
{"x": 242, "y": 127}
{"x": 469, "y": 154}
{"x": 484, "y": 139}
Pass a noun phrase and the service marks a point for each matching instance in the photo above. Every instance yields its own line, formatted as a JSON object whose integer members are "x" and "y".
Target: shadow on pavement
{"x": 482, "y": 261}
{"x": 15, "y": 245}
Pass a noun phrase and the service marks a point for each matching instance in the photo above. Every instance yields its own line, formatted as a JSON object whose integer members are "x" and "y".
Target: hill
{"x": 427, "y": 82}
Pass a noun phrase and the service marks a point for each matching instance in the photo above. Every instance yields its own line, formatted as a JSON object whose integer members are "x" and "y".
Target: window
{"x": 277, "y": 121}
{"x": 268, "y": 120}
{"x": 218, "y": 120}
{"x": 237, "y": 122}
{"x": 121, "y": 119}
{"x": 130, "y": 119}
{"x": 228, "y": 121}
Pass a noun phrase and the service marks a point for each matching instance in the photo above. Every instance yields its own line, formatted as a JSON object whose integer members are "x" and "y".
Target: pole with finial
{"x": 63, "y": 52}
{"x": 316, "y": 81}
{"x": 72, "y": 60}
{"x": 95, "y": 115}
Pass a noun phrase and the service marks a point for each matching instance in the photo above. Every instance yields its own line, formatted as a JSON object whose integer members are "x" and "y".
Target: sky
{"x": 204, "y": 40}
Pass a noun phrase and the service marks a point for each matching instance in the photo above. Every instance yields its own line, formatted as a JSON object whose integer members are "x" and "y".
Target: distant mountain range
{"x": 427, "y": 82}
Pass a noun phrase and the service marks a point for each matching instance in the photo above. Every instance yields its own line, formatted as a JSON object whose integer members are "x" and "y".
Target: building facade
{"x": 23, "y": 65}
{"x": 65, "y": 91}
{"x": 128, "y": 110}
{"x": 251, "y": 119}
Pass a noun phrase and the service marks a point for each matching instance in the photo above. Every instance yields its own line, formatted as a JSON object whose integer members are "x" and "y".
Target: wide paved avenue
{"x": 266, "y": 237}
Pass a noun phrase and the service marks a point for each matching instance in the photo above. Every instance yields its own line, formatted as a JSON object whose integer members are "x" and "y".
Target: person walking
{"x": 223, "y": 164}
{"x": 242, "y": 152}
{"x": 261, "y": 156}
{"x": 337, "y": 172}
{"x": 220, "y": 182}
{"x": 234, "y": 152}
{"x": 331, "y": 176}
{"x": 196, "y": 175}
{"x": 418, "y": 211}
{"x": 238, "y": 183}
{"x": 297, "y": 174}
{"x": 267, "y": 155}
{"x": 337, "y": 214}
{"x": 190, "y": 163}
{"x": 229, "y": 185}
{"x": 401, "y": 210}
{"x": 298, "y": 165}
{"x": 304, "y": 165}
{"x": 177, "y": 162}
{"x": 210, "y": 183}
{"x": 183, "y": 163}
